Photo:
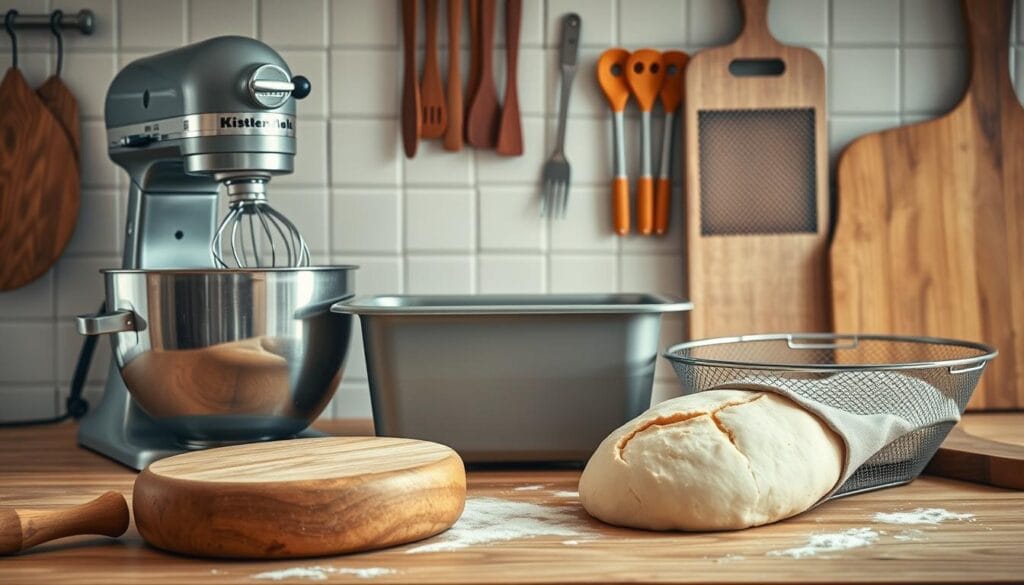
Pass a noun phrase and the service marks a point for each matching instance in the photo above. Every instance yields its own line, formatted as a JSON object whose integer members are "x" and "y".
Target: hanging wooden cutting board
{"x": 756, "y": 185}
{"x": 57, "y": 98}
{"x": 39, "y": 187}
{"x": 930, "y": 229}
{"x": 299, "y": 498}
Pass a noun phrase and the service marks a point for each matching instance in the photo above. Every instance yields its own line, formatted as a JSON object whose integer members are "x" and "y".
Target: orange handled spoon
{"x": 645, "y": 74}
{"x": 671, "y": 96}
{"x": 611, "y": 75}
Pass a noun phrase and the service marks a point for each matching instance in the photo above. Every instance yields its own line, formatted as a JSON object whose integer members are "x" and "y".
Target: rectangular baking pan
{"x": 510, "y": 378}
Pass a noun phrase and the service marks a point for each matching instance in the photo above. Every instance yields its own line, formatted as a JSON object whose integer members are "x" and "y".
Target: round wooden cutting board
{"x": 300, "y": 498}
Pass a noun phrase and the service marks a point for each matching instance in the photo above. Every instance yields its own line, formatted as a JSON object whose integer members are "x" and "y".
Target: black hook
{"x": 55, "y": 18}
{"x": 9, "y": 25}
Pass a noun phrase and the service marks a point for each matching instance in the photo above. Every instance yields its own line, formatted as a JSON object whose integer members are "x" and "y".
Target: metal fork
{"x": 556, "y": 174}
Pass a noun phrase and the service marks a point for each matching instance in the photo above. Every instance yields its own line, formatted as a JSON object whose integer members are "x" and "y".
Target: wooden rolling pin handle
{"x": 645, "y": 205}
{"x": 662, "y": 198}
{"x": 620, "y": 205}
{"x": 22, "y": 529}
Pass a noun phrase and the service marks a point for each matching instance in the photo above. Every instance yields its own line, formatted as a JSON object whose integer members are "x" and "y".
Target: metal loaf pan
{"x": 510, "y": 378}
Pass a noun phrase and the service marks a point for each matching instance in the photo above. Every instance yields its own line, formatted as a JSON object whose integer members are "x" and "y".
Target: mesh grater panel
{"x": 858, "y": 374}
{"x": 757, "y": 171}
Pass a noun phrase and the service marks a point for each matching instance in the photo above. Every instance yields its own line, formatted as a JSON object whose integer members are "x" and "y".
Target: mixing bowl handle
{"x": 107, "y": 322}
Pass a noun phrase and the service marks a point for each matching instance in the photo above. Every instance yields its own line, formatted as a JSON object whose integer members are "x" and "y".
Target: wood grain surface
{"x": 57, "y": 98}
{"x": 39, "y": 186}
{"x": 300, "y": 498}
{"x": 766, "y": 277}
{"x": 47, "y": 469}
{"x": 972, "y": 458}
{"x": 929, "y": 237}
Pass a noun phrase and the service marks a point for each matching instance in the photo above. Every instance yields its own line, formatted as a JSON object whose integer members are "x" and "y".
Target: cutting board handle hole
{"x": 638, "y": 67}
{"x": 757, "y": 67}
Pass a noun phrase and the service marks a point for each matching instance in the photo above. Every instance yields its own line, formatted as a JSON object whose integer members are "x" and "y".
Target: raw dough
{"x": 715, "y": 460}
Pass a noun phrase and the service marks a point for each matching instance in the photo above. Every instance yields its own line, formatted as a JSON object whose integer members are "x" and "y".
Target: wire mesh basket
{"x": 860, "y": 374}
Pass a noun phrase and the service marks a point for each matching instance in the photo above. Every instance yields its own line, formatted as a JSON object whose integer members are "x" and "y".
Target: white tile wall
{"x": 446, "y": 222}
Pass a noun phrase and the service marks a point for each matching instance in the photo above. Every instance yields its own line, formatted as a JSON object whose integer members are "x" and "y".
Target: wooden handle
{"x": 620, "y": 205}
{"x": 432, "y": 10}
{"x": 513, "y": 16}
{"x": 988, "y": 35}
{"x": 411, "y": 120}
{"x": 486, "y": 39}
{"x": 662, "y": 205}
{"x": 970, "y": 458}
{"x": 474, "y": 48}
{"x": 453, "y": 133}
{"x": 645, "y": 205}
{"x": 22, "y": 529}
{"x": 755, "y": 20}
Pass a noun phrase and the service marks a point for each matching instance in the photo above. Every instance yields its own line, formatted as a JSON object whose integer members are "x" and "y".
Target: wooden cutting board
{"x": 57, "y": 98}
{"x": 39, "y": 187}
{"x": 756, "y": 185}
{"x": 299, "y": 498}
{"x": 930, "y": 229}
{"x": 971, "y": 458}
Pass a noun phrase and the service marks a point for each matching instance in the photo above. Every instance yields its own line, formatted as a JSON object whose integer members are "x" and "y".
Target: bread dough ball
{"x": 715, "y": 460}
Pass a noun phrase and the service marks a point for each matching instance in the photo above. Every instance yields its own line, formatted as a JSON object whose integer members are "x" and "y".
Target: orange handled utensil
{"x": 671, "y": 96}
{"x": 645, "y": 74}
{"x": 611, "y": 75}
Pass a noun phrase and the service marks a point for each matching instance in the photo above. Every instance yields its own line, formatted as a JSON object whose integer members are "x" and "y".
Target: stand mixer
{"x": 183, "y": 124}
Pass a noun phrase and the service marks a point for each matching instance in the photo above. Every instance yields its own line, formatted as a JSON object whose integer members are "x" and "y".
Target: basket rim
{"x": 979, "y": 361}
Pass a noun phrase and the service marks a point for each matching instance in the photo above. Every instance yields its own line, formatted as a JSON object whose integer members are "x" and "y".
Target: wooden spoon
{"x": 410, "y": 88}
{"x": 510, "y": 131}
{"x": 645, "y": 74}
{"x": 611, "y": 75}
{"x": 453, "y": 133}
{"x": 434, "y": 117}
{"x": 484, "y": 115}
{"x": 22, "y": 529}
{"x": 671, "y": 96}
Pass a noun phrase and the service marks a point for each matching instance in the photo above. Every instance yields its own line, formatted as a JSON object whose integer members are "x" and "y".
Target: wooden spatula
{"x": 645, "y": 74}
{"x": 434, "y": 116}
{"x": 484, "y": 116}
{"x": 474, "y": 58}
{"x": 510, "y": 131}
{"x": 411, "y": 115}
{"x": 39, "y": 187}
{"x": 671, "y": 95}
{"x": 453, "y": 132}
{"x": 611, "y": 75}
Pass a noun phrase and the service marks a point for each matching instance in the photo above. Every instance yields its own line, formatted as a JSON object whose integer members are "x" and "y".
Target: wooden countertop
{"x": 43, "y": 467}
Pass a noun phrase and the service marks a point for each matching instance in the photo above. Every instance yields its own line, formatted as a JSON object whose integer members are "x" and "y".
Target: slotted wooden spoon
{"x": 611, "y": 75}
{"x": 434, "y": 114}
{"x": 645, "y": 74}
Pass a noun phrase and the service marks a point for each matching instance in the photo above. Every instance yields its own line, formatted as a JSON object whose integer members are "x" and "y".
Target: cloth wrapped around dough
{"x": 246, "y": 376}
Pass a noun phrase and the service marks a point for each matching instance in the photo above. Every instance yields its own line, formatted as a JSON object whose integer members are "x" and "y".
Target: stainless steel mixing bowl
{"x": 228, "y": 355}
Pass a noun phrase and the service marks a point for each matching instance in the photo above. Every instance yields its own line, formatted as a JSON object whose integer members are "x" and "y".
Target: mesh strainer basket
{"x": 859, "y": 374}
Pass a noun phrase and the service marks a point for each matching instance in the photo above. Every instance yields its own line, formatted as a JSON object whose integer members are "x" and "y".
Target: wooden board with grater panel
{"x": 757, "y": 211}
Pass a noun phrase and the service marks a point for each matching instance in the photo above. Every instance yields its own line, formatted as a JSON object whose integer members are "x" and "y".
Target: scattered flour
{"x": 563, "y": 494}
{"x": 921, "y": 516}
{"x": 911, "y": 534}
{"x": 837, "y": 541}
{"x": 487, "y": 520}
{"x": 529, "y": 488}
{"x": 570, "y": 542}
{"x": 730, "y": 558}
{"x": 317, "y": 573}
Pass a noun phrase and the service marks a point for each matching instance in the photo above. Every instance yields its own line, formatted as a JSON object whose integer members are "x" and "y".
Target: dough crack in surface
{"x": 732, "y": 441}
{"x": 676, "y": 418}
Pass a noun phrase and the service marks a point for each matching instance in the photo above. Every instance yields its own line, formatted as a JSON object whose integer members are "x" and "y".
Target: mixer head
{"x": 255, "y": 235}
{"x": 191, "y": 122}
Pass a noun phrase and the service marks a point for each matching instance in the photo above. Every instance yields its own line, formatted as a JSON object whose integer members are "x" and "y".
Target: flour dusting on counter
{"x": 529, "y": 488}
{"x": 921, "y": 516}
{"x": 833, "y": 542}
{"x": 911, "y": 535}
{"x": 487, "y": 520}
{"x": 317, "y": 573}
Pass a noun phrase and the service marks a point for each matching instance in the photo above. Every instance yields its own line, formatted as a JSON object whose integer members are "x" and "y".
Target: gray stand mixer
{"x": 182, "y": 124}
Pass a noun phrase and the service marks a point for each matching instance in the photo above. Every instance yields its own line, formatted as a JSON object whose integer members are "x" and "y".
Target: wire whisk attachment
{"x": 255, "y": 235}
